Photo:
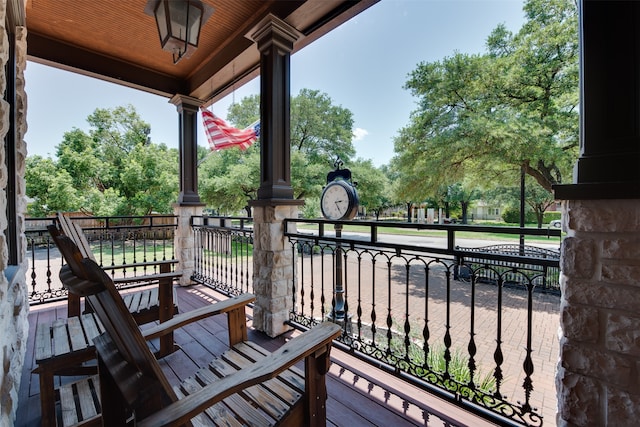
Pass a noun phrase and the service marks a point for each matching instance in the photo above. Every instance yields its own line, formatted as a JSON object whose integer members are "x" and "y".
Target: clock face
{"x": 339, "y": 201}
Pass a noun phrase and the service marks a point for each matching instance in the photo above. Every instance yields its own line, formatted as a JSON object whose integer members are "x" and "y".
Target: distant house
{"x": 483, "y": 210}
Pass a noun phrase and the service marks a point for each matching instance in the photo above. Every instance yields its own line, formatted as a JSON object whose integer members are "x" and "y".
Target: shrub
{"x": 511, "y": 215}
{"x": 311, "y": 208}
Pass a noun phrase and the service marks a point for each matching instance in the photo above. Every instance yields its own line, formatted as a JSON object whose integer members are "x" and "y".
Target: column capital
{"x": 272, "y": 30}
{"x": 186, "y": 102}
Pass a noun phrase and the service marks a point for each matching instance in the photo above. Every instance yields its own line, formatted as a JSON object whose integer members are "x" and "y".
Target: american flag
{"x": 221, "y": 135}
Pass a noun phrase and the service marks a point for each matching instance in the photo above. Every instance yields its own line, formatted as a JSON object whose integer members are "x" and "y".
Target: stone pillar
{"x": 184, "y": 240}
{"x": 599, "y": 368}
{"x": 273, "y": 268}
{"x": 597, "y": 380}
{"x": 272, "y": 259}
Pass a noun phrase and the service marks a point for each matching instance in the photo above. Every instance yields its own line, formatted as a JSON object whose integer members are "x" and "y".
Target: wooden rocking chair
{"x": 246, "y": 385}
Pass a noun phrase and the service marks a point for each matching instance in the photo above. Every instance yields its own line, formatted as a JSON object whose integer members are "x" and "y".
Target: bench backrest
{"x": 138, "y": 381}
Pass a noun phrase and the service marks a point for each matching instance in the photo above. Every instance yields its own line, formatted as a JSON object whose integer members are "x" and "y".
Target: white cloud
{"x": 359, "y": 134}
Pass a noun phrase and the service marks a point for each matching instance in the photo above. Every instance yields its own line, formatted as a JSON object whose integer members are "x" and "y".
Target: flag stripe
{"x": 221, "y": 135}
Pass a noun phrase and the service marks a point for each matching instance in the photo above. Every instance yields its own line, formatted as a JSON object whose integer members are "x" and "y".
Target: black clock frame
{"x": 352, "y": 208}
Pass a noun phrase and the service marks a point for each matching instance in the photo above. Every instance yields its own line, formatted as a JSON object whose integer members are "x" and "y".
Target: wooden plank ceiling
{"x": 116, "y": 41}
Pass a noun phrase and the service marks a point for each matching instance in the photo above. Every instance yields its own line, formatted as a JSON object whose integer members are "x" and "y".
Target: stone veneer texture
{"x": 13, "y": 295}
{"x": 598, "y": 379}
{"x": 272, "y": 269}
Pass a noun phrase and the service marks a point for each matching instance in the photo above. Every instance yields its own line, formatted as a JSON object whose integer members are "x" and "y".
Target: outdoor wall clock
{"x": 339, "y": 198}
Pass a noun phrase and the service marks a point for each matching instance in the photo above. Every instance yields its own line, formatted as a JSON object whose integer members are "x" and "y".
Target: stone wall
{"x": 598, "y": 379}
{"x": 13, "y": 293}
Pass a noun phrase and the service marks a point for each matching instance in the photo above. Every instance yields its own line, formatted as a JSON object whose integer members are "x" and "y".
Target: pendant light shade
{"x": 179, "y": 23}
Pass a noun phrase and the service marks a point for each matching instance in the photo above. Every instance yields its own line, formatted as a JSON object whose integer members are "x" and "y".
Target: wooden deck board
{"x": 359, "y": 394}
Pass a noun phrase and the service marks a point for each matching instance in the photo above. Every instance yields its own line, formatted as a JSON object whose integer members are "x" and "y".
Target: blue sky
{"x": 361, "y": 66}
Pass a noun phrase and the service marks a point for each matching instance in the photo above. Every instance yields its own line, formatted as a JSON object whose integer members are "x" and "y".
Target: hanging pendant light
{"x": 179, "y": 23}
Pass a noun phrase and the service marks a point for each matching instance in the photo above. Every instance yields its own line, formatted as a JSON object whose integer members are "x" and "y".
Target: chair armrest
{"x": 313, "y": 343}
{"x": 183, "y": 319}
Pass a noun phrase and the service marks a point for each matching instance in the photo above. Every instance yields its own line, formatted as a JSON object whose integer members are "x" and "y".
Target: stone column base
{"x": 599, "y": 366}
{"x": 184, "y": 240}
{"x": 273, "y": 268}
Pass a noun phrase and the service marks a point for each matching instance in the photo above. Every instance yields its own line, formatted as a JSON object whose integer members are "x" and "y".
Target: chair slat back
{"x": 75, "y": 232}
{"x": 84, "y": 277}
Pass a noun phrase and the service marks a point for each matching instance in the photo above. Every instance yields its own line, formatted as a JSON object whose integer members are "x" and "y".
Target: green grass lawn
{"x": 244, "y": 249}
{"x": 437, "y": 233}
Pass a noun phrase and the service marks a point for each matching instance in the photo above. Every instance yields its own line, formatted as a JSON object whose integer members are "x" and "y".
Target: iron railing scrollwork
{"x": 114, "y": 241}
{"x": 438, "y": 315}
{"x": 410, "y": 310}
{"x": 223, "y": 253}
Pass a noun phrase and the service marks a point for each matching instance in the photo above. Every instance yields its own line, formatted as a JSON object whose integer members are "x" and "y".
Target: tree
{"x": 320, "y": 131}
{"x": 50, "y": 188}
{"x": 463, "y": 193}
{"x": 538, "y": 199}
{"x": 112, "y": 170}
{"x": 149, "y": 179}
{"x": 483, "y": 116}
{"x": 229, "y": 178}
{"x": 372, "y": 186}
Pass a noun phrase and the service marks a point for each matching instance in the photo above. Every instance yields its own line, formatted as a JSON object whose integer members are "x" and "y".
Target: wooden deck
{"x": 359, "y": 394}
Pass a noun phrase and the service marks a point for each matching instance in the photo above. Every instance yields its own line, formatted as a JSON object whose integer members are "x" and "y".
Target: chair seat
{"x": 80, "y": 403}
{"x": 65, "y": 337}
{"x": 65, "y": 345}
{"x": 264, "y": 404}
{"x": 144, "y": 305}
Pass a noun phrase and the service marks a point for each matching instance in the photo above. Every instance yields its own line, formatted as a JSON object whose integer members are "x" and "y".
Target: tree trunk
{"x": 540, "y": 216}
{"x": 465, "y": 208}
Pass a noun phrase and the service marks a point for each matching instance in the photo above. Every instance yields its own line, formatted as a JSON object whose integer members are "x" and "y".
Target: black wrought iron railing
{"x": 491, "y": 270}
{"x": 460, "y": 318}
{"x": 476, "y": 341}
{"x": 115, "y": 241}
{"x": 223, "y": 253}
